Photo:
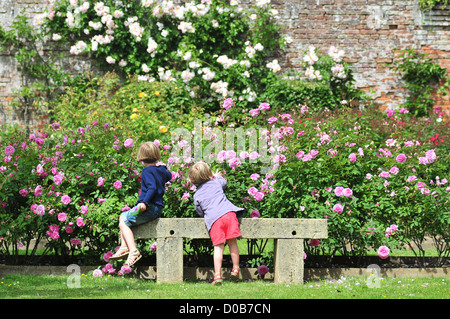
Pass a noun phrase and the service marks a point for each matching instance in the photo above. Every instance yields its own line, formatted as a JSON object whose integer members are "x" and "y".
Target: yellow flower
{"x": 133, "y": 116}
{"x": 142, "y": 94}
{"x": 156, "y": 93}
{"x": 135, "y": 110}
{"x": 163, "y": 129}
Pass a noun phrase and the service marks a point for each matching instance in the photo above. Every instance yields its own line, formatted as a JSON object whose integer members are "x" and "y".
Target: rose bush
{"x": 216, "y": 49}
{"x": 374, "y": 183}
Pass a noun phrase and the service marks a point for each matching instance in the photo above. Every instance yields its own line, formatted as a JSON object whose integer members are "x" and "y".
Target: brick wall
{"x": 367, "y": 30}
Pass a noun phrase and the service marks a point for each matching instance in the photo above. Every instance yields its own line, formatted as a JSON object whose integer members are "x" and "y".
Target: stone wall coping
{"x": 257, "y": 228}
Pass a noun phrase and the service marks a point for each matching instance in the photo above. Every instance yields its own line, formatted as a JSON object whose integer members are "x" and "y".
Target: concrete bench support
{"x": 169, "y": 258}
{"x": 288, "y": 261}
{"x": 287, "y": 232}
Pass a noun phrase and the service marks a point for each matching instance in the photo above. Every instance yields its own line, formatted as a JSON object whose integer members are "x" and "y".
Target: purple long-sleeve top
{"x": 211, "y": 203}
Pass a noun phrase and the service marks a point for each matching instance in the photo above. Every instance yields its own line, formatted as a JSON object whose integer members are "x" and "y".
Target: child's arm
{"x": 221, "y": 180}
{"x": 149, "y": 180}
{"x": 168, "y": 174}
{"x": 198, "y": 208}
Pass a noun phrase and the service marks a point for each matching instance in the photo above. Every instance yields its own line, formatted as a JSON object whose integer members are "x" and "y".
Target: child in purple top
{"x": 219, "y": 213}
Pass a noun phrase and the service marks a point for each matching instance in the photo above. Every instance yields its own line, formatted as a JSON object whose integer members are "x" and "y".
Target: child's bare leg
{"x": 234, "y": 251}
{"x": 126, "y": 235}
{"x": 218, "y": 257}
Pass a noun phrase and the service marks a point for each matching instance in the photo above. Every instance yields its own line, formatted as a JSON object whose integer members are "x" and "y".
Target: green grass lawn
{"x": 118, "y": 287}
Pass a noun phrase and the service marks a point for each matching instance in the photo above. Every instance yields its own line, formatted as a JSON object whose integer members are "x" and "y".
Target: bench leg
{"x": 169, "y": 260}
{"x": 288, "y": 261}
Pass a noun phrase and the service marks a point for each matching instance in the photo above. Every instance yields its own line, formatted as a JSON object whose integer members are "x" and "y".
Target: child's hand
{"x": 143, "y": 207}
{"x": 217, "y": 173}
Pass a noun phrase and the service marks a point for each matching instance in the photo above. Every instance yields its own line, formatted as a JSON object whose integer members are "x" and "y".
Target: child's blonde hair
{"x": 199, "y": 173}
{"x": 148, "y": 153}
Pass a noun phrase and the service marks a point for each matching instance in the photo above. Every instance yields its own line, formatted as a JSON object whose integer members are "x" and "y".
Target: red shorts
{"x": 226, "y": 227}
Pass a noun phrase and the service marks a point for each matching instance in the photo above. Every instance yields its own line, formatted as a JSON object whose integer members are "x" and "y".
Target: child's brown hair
{"x": 148, "y": 153}
{"x": 199, "y": 173}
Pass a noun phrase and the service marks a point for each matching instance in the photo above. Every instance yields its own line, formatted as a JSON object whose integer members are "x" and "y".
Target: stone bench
{"x": 288, "y": 234}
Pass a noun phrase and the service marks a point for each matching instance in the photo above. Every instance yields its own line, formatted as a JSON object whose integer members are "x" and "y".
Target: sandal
{"x": 217, "y": 280}
{"x": 235, "y": 273}
{"x": 121, "y": 253}
{"x": 133, "y": 257}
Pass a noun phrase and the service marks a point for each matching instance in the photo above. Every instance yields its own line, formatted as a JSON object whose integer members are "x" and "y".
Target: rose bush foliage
{"x": 361, "y": 170}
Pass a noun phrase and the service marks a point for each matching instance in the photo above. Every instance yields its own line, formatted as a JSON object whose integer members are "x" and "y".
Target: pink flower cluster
{"x": 266, "y": 187}
{"x": 391, "y": 230}
{"x": 341, "y": 191}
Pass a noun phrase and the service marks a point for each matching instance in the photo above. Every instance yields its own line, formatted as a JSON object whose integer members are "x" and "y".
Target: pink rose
{"x": 227, "y": 103}
{"x": 9, "y": 150}
{"x": 128, "y": 142}
{"x": 264, "y": 106}
{"x": 255, "y": 213}
{"x": 62, "y": 217}
{"x": 54, "y": 235}
{"x": 235, "y": 162}
{"x": 338, "y": 208}
{"x": 38, "y": 191}
{"x": 124, "y": 270}
{"x": 58, "y": 179}
{"x": 352, "y": 157}
{"x": 385, "y": 174}
{"x": 347, "y": 192}
{"x": 23, "y": 192}
{"x": 394, "y": 170}
{"x": 313, "y": 153}
{"x": 117, "y": 184}
{"x": 107, "y": 256}
{"x": 272, "y": 120}
{"x": 80, "y": 222}
{"x": 40, "y": 210}
{"x": 75, "y": 241}
{"x": 97, "y": 273}
{"x": 252, "y": 191}
{"x": 259, "y": 196}
{"x": 339, "y": 191}
{"x": 315, "y": 242}
{"x": 421, "y": 185}
{"x": 222, "y": 156}
{"x": 100, "y": 181}
{"x": 253, "y": 155}
{"x": 401, "y": 158}
{"x": 254, "y": 112}
{"x": 65, "y": 199}
{"x": 411, "y": 178}
{"x": 430, "y": 155}
{"x": 383, "y": 252}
